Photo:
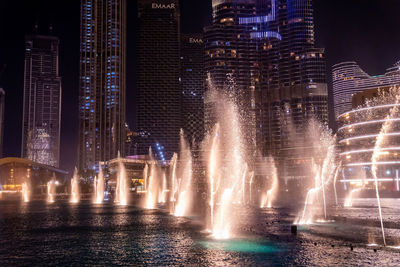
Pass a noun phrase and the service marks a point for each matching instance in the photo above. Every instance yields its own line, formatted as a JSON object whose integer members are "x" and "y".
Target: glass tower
{"x": 293, "y": 76}
{"x": 42, "y": 101}
{"x": 102, "y": 81}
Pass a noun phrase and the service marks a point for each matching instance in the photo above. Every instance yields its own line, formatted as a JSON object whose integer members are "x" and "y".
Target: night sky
{"x": 364, "y": 31}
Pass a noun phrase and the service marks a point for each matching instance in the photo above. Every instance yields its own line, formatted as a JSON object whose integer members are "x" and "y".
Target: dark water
{"x": 63, "y": 234}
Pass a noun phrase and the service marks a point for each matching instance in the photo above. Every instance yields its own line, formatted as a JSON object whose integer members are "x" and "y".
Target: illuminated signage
{"x": 195, "y": 40}
{"x": 163, "y": 6}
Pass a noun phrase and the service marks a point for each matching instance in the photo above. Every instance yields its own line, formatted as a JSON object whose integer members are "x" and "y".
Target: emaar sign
{"x": 163, "y": 6}
{"x": 195, "y": 40}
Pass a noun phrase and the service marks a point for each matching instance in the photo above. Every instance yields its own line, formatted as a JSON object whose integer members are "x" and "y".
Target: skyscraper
{"x": 348, "y": 79}
{"x": 159, "y": 110}
{"x": 102, "y": 81}
{"x": 292, "y": 77}
{"x": 42, "y": 101}
{"x": 231, "y": 61}
{"x": 2, "y": 106}
{"x": 192, "y": 82}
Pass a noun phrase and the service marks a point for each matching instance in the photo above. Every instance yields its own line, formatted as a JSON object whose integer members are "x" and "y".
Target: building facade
{"x": 373, "y": 110}
{"x": 231, "y": 63}
{"x": 292, "y": 78}
{"x": 193, "y": 86}
{"x": 159, "y": 106}
{"x": 102, "y": 82}
{"x": 349, "y": 79}
{"x": 41, "y": 122}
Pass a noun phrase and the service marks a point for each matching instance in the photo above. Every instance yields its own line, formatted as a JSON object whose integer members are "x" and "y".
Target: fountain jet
{"x": 151, "y": 193}
{"x": 121, "y": 192}
{"x": 270, "y": 197}
{"x": 51, "y": 190}
{"x": 322, "y": 166}
{"x": 75, "y": 188}
{"x": 334, "y": 182}
{"x": 162, "y": 195}
{"x": 25, "y": 192}
{"x": 174, "y": 184}
{"x": 226, "y": 152}
{"x": 185, "y": 189}
{"x": 99, "y": 188}
{"x": 387, "y": 125}
{"x": 349, "y": 200}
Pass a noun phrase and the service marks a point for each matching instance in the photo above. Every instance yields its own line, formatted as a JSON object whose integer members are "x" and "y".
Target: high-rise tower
{"x": 102, "y": 81}
{"x": 231, "y": 61}
{"x": 192, "y": 82}
{"x": 293, "y": 75}
{"x": 42, "y": 101}
{"x": 159, "y": 110}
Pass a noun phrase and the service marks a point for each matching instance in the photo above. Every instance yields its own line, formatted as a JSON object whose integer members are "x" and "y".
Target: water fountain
{"x": 349, "y": 200}
{"x": 152, "y": 184}
{"x": 380, "y": 139}
{"x": 75, "y": 188}
{"x": 225, "y": 151}
{"x": 174, "y": 182}
{"x": 184, "y": 202}
{"x": 25, "y": 192}
{"x": 51, "y": 191}
{"x": 122, "y": 188}
{"x": 145, "y": 174}
{"x": 323, "y": 168}
{"x": 243, "y": 190}
{"x": 335, "y": 180}
{"x": 270, "y": 196}
{"x": 251, "y": 187}
{"x": 99, "y": 188}
{"x": 162, "y": 194}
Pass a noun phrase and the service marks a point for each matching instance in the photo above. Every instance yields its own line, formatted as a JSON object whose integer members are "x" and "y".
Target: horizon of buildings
{"x": 285, "y": 83}
{"x": 268, "y": 48}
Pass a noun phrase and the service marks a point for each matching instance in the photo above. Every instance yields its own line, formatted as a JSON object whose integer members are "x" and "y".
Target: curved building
{"x": 357, "y": 139}
{"x": 348, "y": 79}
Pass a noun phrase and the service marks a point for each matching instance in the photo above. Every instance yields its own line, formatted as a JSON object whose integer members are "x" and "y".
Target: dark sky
{"x": 365, "y": 31}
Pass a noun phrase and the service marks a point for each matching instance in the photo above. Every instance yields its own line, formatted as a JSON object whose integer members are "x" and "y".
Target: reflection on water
{"x": 85, "y": 234}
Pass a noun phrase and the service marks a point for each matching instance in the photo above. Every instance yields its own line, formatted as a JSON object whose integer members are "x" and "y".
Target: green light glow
{"x": 240, "y": 246}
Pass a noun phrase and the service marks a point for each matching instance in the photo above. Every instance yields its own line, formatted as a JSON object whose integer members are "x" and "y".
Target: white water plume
{"x": 75, "y": 197}
{"x": 122, "y": 188}
{"x": 349, "y": 200}
{"x": 152, "y": 185}
{"x": 25, "y": 192}
{"x": 51, "y": 191}
{"x": 174, "y": 182}
{"x": 225, "y": 157}
{"x": 184, "y": 202}
{"x": 268, "y": 198}
{"x": 99, "y": 188}
{"x": 323, "y": 168}
{"x": 162, "y": 194}
{"x": 335, "y": 180}
{"x": 380, "y": 139}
